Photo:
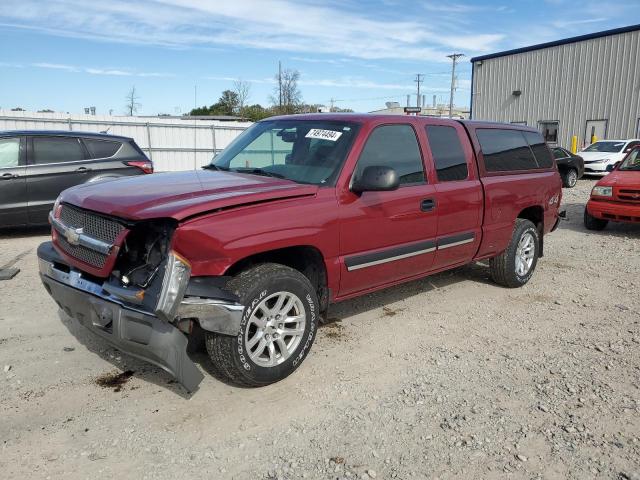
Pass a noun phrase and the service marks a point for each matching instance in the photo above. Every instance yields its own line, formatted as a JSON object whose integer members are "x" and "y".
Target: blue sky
{"x": 69, "y": 54}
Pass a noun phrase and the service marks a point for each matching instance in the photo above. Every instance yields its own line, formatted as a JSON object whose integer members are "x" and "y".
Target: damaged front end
{"x": 148, "y": 303}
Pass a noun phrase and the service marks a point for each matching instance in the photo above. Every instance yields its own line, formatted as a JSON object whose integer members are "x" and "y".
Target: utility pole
{"x": 454, "y": 57}
{"x": 280, "y": 83}
{"x": 333, "y": 100}
{"x": 418, "y": 80}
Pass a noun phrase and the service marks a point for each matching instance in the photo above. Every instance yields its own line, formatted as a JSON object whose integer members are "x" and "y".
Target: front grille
{"x": 92, "y": 225}
{"x": 628, "y": 195}
{"x": 84, "y": 254}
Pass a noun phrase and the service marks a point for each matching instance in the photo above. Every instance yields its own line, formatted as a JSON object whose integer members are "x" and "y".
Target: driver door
{"x": 388, "y": 236}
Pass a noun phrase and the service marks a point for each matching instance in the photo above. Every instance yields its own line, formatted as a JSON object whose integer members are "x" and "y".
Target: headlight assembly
{"x": 174, "y": 284}
{"x": 602, "y": 191}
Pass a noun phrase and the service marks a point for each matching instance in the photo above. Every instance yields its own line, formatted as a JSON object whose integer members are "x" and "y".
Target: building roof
{"x": 540, "y": 46}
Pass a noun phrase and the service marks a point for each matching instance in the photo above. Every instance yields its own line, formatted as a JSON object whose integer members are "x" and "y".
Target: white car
{"x": 600, "y": 154}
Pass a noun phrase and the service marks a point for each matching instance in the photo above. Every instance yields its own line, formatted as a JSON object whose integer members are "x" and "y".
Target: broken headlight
{"x": 174, "y": 284}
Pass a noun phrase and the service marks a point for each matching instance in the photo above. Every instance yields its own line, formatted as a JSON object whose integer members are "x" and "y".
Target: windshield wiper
{"x": 259, "y": 171}
{"x": 213, "y": 166}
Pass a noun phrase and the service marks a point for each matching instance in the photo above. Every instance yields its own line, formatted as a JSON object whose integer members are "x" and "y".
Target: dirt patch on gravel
{"x": 114, "y": 380}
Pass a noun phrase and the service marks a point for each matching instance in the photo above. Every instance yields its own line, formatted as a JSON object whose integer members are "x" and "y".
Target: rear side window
{"x": 448, "y": 155}
{"x": 101, "y": 148}
{"x": 9, "y": 152}
{"x": 56, "y": 150}
{"x": 505, "y": 150}
{"x": 393, "y": 146}
{"x": 539, "y": 148}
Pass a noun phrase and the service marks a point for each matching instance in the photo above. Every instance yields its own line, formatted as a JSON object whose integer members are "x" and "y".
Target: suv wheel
{"x": 277, "y": 330}
{"x": 515, "y": 266}
{"x": 570, "y": 178}
{"x": 593, "y": 223}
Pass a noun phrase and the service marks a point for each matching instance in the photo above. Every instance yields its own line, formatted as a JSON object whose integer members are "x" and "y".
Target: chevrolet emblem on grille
{"x": 72, "y": 235}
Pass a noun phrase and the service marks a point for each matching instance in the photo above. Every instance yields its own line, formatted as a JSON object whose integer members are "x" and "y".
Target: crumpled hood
{"x": 180, "y": 195}
{"x": 621, "y": 179}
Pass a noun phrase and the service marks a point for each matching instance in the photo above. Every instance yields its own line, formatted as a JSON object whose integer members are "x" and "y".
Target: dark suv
{"x": 35, "y": 166}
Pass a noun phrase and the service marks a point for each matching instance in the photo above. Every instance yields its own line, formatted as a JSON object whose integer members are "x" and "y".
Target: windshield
{"x": 608, "y": 147}
{"x": 632, "y": 162}
{"x": 305, "y": 151}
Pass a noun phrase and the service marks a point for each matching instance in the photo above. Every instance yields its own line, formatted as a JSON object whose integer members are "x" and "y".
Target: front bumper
{"x": 615, "y": 212}
{"x": 132, "y": 330}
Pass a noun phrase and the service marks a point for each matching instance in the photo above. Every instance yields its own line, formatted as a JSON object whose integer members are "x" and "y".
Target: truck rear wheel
{"x": 515, "y": 266}
{"x": 278, "y": 326}
{"x": 593, "y": 223}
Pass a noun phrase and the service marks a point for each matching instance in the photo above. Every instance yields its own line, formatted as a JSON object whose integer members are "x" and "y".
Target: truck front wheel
{"x": 515, "y": 266}
{"x": 277, "y": 330}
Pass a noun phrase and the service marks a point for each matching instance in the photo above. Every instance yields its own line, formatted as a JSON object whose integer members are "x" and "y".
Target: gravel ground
{"x": 447, "y": 377}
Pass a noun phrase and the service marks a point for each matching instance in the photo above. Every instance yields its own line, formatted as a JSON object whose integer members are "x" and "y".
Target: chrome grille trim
{"x": 95, "y": 226}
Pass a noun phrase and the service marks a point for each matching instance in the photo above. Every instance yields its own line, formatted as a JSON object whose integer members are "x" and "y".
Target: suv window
{"x": 505, "y": 150}
{"x": 539, "y": 148}
{"x": 9, "y": 152}
{"x": 448, "y": 155}
{"x": 56, "y": 150}
{"x": 101, "y": 148}
{"x": 394, "y": 146}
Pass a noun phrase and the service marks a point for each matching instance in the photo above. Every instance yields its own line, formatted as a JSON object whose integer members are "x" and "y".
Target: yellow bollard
{"x": 594, "y": 139}
{"x": 574, "y": 144}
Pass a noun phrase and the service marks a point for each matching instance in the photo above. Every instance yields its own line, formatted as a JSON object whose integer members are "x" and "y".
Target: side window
{"x": 56, "y": 150}
{"x": 558, "y": 153}
{"x": 539, "y": 148}
{"x": 393, "y": 146}
{"x": 505, "y": 150}
{"x": 9, "y": 152}
{"x": 448, "y": 154}
{"x": 101, "y": 148}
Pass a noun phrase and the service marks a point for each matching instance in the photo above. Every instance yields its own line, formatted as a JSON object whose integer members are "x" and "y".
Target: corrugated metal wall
{"x": 595, "y": 79}
{"x": 172, "y": 143}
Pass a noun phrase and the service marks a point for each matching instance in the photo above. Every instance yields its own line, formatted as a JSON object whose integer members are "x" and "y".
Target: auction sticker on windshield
{"x": 323, "y": 134}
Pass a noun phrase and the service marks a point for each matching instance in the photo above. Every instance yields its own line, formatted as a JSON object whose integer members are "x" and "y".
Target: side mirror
{"x": 611, "y": 168}
{"x": 376, "y": 179}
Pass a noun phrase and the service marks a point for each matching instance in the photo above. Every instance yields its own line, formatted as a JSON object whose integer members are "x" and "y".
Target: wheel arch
{"x": 306, "y": 259}
{"x": 535, "y": 214}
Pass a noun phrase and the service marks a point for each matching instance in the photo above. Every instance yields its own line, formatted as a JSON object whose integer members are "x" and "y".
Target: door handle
{"x": 83, "y": 170}
{"x": 8, "y": 176}
{"x": 427, "y": 204}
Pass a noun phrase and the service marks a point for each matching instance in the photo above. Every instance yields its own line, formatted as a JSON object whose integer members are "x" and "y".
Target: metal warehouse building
{"x": 586, "y": 86}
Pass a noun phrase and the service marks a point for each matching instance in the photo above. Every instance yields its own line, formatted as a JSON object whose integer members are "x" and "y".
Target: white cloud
{"x": 570, "y": 23}
{"x": 288, "y": 25}
{"x": 98, "y": 71}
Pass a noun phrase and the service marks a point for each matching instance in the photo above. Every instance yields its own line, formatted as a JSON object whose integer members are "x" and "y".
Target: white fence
{"x": 172, "y": 143}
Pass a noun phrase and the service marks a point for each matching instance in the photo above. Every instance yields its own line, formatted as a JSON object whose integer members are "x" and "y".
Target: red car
{"x": 616, "y": 197}
{"x": 298, "y": 212}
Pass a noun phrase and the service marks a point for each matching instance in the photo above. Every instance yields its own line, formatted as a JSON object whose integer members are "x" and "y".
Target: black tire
{"x": 569, "y": 178}
{"x": 252, "y": 286}
{"x": 593, "y": 223}
{"x": 503, "y": 267}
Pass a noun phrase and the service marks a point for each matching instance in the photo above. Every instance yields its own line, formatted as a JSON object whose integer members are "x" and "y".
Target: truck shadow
{"x": 575, "y": 222}
{"x": 131, "y": 366}
{"x": 476, "y": 272}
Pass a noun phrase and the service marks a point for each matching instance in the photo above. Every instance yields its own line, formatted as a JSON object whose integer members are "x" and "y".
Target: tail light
{"x": 145, "y": 165}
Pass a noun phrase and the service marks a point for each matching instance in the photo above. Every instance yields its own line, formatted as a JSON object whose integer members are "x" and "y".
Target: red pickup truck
{"x": 298, "y": 212}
